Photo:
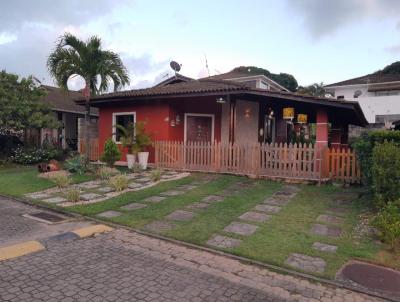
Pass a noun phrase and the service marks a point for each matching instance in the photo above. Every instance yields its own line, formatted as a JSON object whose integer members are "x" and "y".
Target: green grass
{"x": 19, "y": 180}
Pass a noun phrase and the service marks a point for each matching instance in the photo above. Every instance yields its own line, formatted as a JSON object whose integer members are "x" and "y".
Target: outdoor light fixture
{"x": 221, "y": 100}
{"x": 247, "y": 112}
{"x": 288, "y": 113}
{"x": 177, "y": 119}
{"x": 302, "y": 118}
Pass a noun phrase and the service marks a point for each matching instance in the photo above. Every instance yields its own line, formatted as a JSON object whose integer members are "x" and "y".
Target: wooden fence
{"x": 94, "y": 153}
{"x": 283, "y": 161}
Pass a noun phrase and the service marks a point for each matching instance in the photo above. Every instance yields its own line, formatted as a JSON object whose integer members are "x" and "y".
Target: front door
{"x": 199, "y": 128}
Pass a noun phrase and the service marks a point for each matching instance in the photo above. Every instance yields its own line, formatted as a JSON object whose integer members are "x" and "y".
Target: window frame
{"x": 114, "y": 123}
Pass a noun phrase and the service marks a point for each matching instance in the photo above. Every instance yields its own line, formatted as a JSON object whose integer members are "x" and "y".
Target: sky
{"x": 314, "y": 40}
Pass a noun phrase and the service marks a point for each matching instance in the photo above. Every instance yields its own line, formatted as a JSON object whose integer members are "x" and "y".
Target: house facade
{"x": 378, "y": 95}
{"x": 227, "y": 111}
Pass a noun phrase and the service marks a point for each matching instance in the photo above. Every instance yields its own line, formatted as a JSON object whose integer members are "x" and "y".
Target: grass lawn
{"x": 19, "y": 180}
{"x": 286, "y": 232}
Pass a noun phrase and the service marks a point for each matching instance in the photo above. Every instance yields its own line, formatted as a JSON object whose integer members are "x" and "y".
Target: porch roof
{"x": 212, "y": 87}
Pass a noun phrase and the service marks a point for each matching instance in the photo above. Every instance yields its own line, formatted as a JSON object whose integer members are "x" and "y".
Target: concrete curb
{"x": 20, "y": 249}
{"x": 271, "y": 267}
{"x": 92, "y": 230}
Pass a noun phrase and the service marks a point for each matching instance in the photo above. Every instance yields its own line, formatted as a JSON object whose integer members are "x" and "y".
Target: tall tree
{"x": 22, "y": 106}
{"x": 99, "y": 68}
{"x": 316, "y": 89}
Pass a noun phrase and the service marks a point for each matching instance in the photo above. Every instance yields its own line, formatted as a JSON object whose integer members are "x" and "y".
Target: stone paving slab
{"x": 275, "y": 201}
{"x": 338, "y": 211}
{"x": 106, "y": 189}
{"x": 325, "y": 230}
{"x": 90, "y": 196}
{"x": 240, "y": 228}
{"x": 89, "y": 185}
{"x": 187, "y": 187}
{"x": 198, "y": 206}
{"x": 134, "y": 185}
{"x": 255, "y": 216}
{"x": 213, "y": 198}
{"x": 172, "y": 193}
{"x": 284, "y": 194}
{"x": 133, "y": 206}
{"x": 159, "y": 226}
{"x": 55, "y": 200}
{"x": 109, "y": 214}
{"x": 228, "y": 192}
{"x": 38, "y": 195}
{"x": 267, "y": 208}
{"x": 223, "y": 241}
{"x": 180, "y": 215}
{"x": 330, "y": 219}
{"x": 155, "y": 199}
{"x": 291, "y": 189}
{"x": 306, "y": 263}
{"x": 323, "y": 247}
{"x": 143, "y": 179}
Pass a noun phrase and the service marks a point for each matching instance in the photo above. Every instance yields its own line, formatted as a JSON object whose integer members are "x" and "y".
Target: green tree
{"x": 99, "y": 68}
{"x": 22, "y": 106}
{"x": 316, "y": 89}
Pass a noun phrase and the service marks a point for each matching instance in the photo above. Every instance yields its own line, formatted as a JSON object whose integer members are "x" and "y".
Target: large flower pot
{"x": 130, "y": 158}
{"x": 143, "y": 159}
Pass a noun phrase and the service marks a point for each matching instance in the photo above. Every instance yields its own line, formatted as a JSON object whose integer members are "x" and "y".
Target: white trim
{"x": 362, "y": 84}
{"x": 198, "y": 114}
{"x": 114, "y": 121}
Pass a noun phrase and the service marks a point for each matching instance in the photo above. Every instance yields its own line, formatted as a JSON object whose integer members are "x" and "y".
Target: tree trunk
{"x": 87, "y": 121}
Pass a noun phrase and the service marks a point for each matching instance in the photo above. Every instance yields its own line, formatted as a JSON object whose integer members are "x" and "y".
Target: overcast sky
{"x": 315, "y": 40}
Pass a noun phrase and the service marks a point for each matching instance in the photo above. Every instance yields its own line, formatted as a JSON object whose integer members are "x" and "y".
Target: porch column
{"x": 322, "y": 129}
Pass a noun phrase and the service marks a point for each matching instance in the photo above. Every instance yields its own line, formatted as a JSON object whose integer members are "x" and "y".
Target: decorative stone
{"x": 323, "y": 247}
{"x": 90, "y": 196}
{"x": 106, "y": 189}
{"x": 267, "y": 208}
{"x": 306, "y": 263}
{"x": 154, "y": 199}
{"x": 38, "y": 195}
{"x": 89, "y": 185}
{"x": 254, "y": 216}
{"x": 180, "y": 215}
{"x": 133, "y": 206}
{"x": 172, "y": 193}
{"x": 159, "y": 226}
{"x": 198, "y": 206}
{"x": 223, "y": 242}
{"x": 109, "y": 214}
{"x": 330, "y": 219}
{"x": 241, "y": 228}
{"x": 325, "y": 230}
{"x": 134, "y": 185}
{"x": 212, "y": 198}
{"x": 55, "y": 200}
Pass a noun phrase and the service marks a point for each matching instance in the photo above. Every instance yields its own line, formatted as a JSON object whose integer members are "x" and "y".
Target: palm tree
{"x": 99, "y": 68}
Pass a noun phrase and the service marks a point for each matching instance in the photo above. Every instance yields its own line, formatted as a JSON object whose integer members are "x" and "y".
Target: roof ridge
{"x": 227, "y": 82}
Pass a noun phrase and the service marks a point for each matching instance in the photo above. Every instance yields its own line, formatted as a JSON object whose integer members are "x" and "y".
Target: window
{"x": 387, "y": 93}
{"x": 340, "y": 97}
{"x": 123, "y": 119}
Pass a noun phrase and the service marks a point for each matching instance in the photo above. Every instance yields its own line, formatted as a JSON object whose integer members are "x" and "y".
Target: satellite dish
{"x": 175, "y": 66}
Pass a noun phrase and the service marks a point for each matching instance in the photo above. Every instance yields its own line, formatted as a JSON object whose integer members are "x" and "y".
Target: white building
{"x": 378, "y": 95}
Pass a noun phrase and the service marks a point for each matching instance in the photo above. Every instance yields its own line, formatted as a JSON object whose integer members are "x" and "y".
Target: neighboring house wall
{"x": 247, "y": 120}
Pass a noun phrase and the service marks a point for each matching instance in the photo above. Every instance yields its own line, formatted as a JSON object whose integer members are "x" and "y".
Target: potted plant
{"x": 127, "y": 139}
{"x": 142, "y": 140}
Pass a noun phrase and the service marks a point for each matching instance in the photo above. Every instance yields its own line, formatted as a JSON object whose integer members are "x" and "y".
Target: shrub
{"x": 388, "y": 223}
{"x": 386, "y": 172}
{"x": 119, "y": 182}
{"x": 33, "y": 155}
{"x": 61, "y": 179}
{"x": 73, "y": 195}
{"x": 78, "y": 164}
{"x": 156, "y": 175}
{"x": 111, "y": 152}
{"x": 136, "y": 168}
{"x": 364, "y": 146}
{"x": 106, "y": 172}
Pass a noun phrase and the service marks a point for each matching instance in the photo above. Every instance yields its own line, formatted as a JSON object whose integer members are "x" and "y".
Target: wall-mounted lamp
{"x": 247, "y": 112}
{"x": 288, "y": 113}
{"x": 166, "y": 119}
{"x": 220, "y": 100}
{"x": 302, "y": 118}
{"x": 177, "y": 120}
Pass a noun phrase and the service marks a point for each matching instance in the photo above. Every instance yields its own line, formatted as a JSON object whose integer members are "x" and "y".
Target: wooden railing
{"x": 266, "y": 160}
{"x": 94, "y": 153}
{"x": 342, "y": 165}
{"x": 284, "y": 161}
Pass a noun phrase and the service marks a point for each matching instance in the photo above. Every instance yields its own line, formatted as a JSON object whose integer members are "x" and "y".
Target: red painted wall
{"x": 155, "y": 113}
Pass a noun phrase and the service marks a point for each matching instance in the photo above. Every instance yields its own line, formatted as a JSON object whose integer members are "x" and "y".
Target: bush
{"x": 388, "y": 223}
{"x": 111, "y": 152}
{"x": 106, "y": 172}
{"x": 364, "y": 146}
{"x": 8, "y": 143}
{"x": 156, "y": 175}
{"x": 136, "y": 168}
{"x": 61, "y": 179}
{"x": 119, "y": 182}
{"x": 386, "y": 172}
{"x": 33, "y": 155}
{"x": 73, "y": 195}
{"x": 78, "y": 164}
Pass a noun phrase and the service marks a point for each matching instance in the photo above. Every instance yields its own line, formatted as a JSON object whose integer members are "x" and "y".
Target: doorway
{"x": 199, "y": 127}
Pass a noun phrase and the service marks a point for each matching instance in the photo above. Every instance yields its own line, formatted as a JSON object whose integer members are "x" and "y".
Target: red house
{"x": 229, "y": 108}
